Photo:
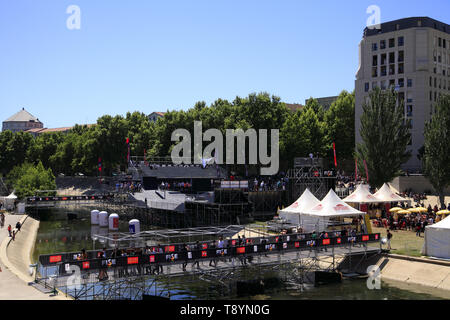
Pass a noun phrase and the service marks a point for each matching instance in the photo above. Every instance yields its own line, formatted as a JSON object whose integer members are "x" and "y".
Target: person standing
{"x": 9, "y": 230}
{"x": 389, "y": 237}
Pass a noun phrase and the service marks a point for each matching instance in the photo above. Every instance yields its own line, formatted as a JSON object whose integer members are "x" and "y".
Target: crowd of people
{"x": 181, "y": 186}
{"x": 129, "y": 186}
{"x": 413, "y": 221}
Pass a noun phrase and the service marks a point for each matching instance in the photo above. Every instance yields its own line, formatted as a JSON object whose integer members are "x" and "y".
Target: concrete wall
{"x": 417, "y": 183}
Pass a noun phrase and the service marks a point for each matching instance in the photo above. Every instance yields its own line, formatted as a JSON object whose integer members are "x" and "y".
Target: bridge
{"x": 140, "y": 270}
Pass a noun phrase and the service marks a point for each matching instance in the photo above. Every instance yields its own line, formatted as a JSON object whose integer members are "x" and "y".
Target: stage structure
{"x": 309, "y": 173}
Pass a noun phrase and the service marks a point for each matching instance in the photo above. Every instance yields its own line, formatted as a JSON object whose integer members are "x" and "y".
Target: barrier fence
{"x": 206, "y": 250}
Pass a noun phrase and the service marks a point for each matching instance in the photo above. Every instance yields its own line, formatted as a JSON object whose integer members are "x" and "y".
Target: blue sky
{"x": 150, "y": 55}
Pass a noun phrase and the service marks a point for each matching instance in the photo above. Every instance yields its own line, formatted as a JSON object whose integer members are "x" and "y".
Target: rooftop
{"x": 22, "y": 116}
{"x": 407, "y": 23}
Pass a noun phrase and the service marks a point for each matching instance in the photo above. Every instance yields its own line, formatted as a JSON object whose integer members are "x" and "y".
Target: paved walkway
{"x": 11, "y": 286}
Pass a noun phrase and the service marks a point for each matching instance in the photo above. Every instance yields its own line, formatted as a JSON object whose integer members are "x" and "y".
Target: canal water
{"x": 59, "y": 234}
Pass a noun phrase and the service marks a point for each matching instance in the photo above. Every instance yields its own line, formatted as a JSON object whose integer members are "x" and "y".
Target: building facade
{"x": 22, "y": 121}
{"x": 413, "y": 56}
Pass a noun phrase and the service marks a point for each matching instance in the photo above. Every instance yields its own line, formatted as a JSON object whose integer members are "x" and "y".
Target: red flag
{"x": 367, "y": 172}
{"x": 334, "y": 150}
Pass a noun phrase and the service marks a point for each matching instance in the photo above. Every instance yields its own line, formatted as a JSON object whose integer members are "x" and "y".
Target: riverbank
{"x": 422, "y": 275}
{"x": 15, "y": 258}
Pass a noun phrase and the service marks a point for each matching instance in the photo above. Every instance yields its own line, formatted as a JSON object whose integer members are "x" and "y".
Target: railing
{"x": 175, "y": 253}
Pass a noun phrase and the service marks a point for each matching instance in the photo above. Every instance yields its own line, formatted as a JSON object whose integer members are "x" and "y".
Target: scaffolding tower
{"x": 309, "y": 173}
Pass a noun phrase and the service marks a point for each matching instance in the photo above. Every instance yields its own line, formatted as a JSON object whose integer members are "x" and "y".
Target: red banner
{"x": 334, "y": 150}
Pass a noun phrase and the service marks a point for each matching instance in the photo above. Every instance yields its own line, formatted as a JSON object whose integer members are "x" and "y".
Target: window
{"x": 401, "y": 56}
{"x": 383, "y": 71}
{"x": 391, "y": 69}
{"x": 400, "y": 68}
{"x": 401, "y": 82}
{"x": 374, "y": 47}
{"x": 374, "y": 72}
{"x": 383, "y": 59}
{"x": 419, "y": 23}
{"x": 382, "y": 44}
{"x": 374, "y": 85}
{"x": 383, "y": 85}
{"x": 444, "y": 43}
{"x": 435, "y": 82}
{"x": 401, "y": 41}
{"x": 409, "y": 83}
{"x": 440, "y": 42}
{"x": 392, "y": 43}
{"x": 375, "y": 60}
{"x": 366, "y": 87}
{"x": 409, "y": 110}
{"x": 391, "y": 83}
{"x": 392, "y": 57}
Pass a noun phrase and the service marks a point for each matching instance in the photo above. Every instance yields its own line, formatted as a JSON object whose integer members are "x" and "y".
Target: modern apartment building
{"x": 413, "y": 56}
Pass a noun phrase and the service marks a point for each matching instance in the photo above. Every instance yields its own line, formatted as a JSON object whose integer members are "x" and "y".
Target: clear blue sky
{"x": 151, "y": 55}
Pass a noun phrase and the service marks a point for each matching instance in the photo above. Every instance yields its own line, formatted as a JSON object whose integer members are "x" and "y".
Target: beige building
{"x": 22, "y": 121}
{"x": 412, "y": 55}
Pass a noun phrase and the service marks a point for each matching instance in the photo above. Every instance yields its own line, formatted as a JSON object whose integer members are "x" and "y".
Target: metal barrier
{"x": 174, "y": 253}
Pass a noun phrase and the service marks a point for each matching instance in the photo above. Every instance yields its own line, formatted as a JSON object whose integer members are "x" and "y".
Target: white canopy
{"x": 11, "y": 196}
{"x": 385, "y": 194}
{"x": 292, "y": 213}
{"x": 332, "y": 206}
{"x": 437, "y": 239}
{"x": 306, "y": 201}
{"x": 361, "y": 195}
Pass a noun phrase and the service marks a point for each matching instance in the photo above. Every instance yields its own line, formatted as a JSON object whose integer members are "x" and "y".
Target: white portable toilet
{"x": 113, "y": 222}
{"x": 134, "y": 226}
{"x": 94, "y": 216}
{"x": 103, "y": 219}
{"x": 95, "y": 230}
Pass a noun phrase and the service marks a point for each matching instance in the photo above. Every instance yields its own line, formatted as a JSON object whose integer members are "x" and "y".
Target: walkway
{"x": 12, "y": 278}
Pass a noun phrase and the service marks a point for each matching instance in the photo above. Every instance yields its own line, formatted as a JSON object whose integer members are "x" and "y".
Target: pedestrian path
{"x": 11, "y": 286}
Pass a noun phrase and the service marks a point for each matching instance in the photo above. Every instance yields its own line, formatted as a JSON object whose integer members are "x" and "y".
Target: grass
{"x": 403, "y": 242}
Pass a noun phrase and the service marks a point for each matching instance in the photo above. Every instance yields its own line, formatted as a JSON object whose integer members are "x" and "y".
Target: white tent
{"x": 437, "y": 239}
{"x": 385, "y": 194}
{"x": 8, "y": 201}
{"x": 362, "y": 195}
{"x": 317, "y": 218}
{"x": 292, "y": 213}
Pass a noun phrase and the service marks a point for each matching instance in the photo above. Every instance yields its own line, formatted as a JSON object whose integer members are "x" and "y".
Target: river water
{"x": 58, "y": 234}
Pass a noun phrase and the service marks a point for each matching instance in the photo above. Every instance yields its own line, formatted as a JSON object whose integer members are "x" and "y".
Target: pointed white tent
{"x": 318, "y": 217}
{"x": 292, "y": 213}
{"x": 361, "y": 195}
{"x": 385, "y": 194}
{"x": 437, "y": 239}
{"x": 333, "y": 206}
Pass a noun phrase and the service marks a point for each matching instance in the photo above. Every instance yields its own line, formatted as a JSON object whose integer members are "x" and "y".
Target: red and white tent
{"x": 318, "y": 217}
{"x": 386, "y": 194}
{"x": 362, "y": 195}
{"x": 333, "y": 206}
{"x": 292, "y": 213}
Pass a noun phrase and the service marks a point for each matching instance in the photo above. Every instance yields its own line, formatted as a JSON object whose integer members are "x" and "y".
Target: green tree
{"x": 436, "y": 158}
{"x": 27, "y": 178}
{"x": 340, "y": 125}
{"x": 385, "y": 135}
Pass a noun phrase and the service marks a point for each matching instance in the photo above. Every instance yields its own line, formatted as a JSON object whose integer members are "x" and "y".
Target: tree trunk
{"x": 442, "y": 199}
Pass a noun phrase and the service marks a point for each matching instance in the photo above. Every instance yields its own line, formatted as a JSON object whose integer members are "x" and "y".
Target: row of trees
{"x": 309, "y": 130}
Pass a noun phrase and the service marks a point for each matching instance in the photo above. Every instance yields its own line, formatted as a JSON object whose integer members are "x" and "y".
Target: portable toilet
{"x": 94, "y": 216}
{"x": 103, "y": 219}
{"x": 134, "y": 226}
{"x": 113, "y": 222}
